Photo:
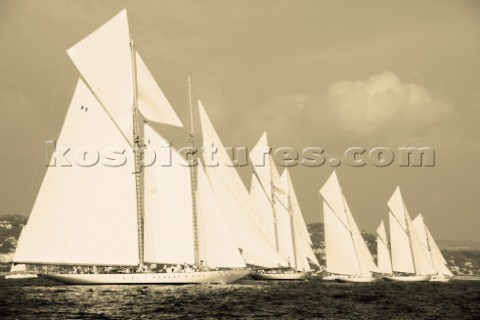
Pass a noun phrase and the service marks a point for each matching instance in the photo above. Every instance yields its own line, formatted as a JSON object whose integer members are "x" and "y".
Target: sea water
{"x": 245, "y": 299}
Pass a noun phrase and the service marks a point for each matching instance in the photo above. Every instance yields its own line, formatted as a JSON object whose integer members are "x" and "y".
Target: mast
{"x": 275, "y": 224}
{"x": 193, "y": 177}
{"x": 292, "y": 226}
{"x": 137, "y": 149}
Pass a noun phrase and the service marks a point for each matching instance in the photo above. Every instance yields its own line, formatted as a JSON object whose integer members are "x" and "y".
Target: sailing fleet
{"x": 192, "y": 221}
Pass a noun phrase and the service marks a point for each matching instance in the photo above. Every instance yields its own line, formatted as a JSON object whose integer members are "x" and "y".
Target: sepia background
{"x": 330, "y": 74}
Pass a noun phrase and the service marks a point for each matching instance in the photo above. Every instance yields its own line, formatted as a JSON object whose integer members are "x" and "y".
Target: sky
{"x": 329, "y": 74}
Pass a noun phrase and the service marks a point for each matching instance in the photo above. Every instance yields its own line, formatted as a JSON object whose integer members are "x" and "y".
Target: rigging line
{"x": 263, "y": 188}
{"x": 382, "y": 241}
{"x": 52, "y": 107}
{"x": 245, "y": 208}
{"x": 396, "y": 219}
{"x": 338, "y": 218}
{"x": 280, "y": 200}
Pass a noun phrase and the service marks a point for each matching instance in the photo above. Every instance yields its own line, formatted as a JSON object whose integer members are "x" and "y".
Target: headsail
{"x": 91, "y": 218}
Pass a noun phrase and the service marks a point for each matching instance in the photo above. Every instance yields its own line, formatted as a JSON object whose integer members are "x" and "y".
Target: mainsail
{"x": 438, "y": 261}
{"x": 236, "y": 203}
{"x": 346, "y": 251}
{"x": 408, "y": 254}
{"x": 384, "y": 263}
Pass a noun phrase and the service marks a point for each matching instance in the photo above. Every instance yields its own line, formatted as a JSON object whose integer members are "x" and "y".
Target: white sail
{"x": 384, "y": 263}
{"x": 152, "y": 103}
{"x": 168, "y": 224}
{"x": 264, "y": 208}
{"x": 342, "y": 236}
{"x": 303, "y": 242}
{"x": 84, "y": 215}
{"x": 270, "y": 182}
{"x": 265, "y": 167}
{"x": 408, "y": 253}
{"x": 339, "y": 250}
{"x": 438, "y": 261}
{"x": 18, "y": 267}
{"x": 104, "y": 59}
{"x": 284, "y": 228}
{"x": 217, "y": 246}
{"x": 236, "y": 203}
{"x": 402, "y": 260}
{"x": 365, "y": 258}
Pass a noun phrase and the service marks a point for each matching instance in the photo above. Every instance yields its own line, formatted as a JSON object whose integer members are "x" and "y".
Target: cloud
{"x": 383, "y": 101}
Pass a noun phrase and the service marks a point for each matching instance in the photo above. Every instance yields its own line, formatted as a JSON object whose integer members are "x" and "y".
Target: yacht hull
{"x": 218, "y": 277}
{"x": 357, "y": 280}
{"x": 439, "y": 279}
{"x": 21, "y": 276}
{"x": 280, "y": 276}
{"x": 408, "y": 278}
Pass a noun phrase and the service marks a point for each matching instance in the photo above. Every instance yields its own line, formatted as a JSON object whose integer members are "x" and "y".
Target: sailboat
{"x": 279, "y": 212}
{"x": 384, "y": 262}
{"x": 347, "y": 254}
{"x": 410, "y": 259}
{"x": 439, "y": 263}
{"x": 19, "y": 271}
{"x": 118, "y": 212}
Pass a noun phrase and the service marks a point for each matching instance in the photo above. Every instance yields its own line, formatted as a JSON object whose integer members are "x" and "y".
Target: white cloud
{"x": 383, "y": 101}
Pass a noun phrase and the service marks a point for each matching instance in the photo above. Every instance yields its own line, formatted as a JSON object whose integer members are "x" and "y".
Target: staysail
{"x": 91, "y": 218}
